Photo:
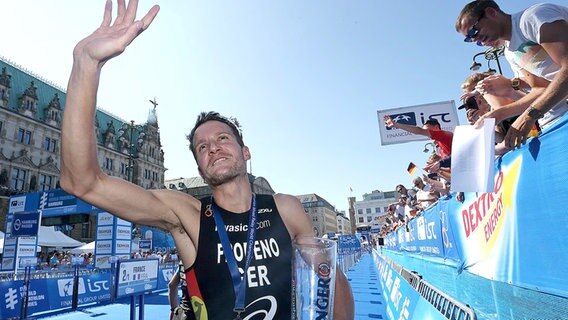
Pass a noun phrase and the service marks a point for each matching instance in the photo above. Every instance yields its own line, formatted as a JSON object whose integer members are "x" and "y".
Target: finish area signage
{"x": 136, "y": 276}
{"x": 25, "y": 224}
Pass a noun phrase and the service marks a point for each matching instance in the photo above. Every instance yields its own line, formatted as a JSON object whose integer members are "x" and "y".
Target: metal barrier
{"x": 346, "y": 261}
{"x": 449, "y": 307}
{"x": 64, "y": 271}
{"x": 411, "y": 277}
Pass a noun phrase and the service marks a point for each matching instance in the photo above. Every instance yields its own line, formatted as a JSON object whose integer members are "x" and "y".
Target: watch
{"x": 516, "y": 83}
{"x": 535, "y": 113}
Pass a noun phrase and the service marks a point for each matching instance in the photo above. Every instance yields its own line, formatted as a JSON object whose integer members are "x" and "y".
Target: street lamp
{"x": 126, "y": 133}
{"x": 426, "y": 150}
{"x": 491, "y": 53}
{"x": 489, "y": 69}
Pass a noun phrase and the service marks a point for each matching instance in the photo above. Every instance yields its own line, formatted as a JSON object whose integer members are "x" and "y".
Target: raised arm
{"x": 413, "y": 129}
{"x": 80, "y": 171}
{"x": 554, "y": 40}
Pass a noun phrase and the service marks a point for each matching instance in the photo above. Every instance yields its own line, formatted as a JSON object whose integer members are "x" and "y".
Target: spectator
{"x": 425, "y": 196}
{"x": 500, "y": 95}
{"x": 535, "y": 41}
{"x": 54, "y": 260}
{"x": 431, "y": 129}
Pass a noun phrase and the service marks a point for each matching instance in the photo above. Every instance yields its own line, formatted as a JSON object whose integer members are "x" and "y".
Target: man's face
{"x": 482, "y": 29}
{"x": 220, "y": 158}
{"x": 419, "y": 184}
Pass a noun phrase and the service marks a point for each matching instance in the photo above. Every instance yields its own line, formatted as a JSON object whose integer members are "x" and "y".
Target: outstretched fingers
{"x": 131, "y": 11}
{"x": 120, "y": 12}
{"x": 149, "y": 17}
{"x": 107, "y": 16}
{"x": 138, "y": 26}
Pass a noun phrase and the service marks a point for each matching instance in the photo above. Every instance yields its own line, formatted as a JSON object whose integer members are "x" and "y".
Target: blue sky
{"x": 304, "y": 78}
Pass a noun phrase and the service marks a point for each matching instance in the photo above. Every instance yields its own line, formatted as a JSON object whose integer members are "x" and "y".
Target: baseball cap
{"x": 470, "y": 103}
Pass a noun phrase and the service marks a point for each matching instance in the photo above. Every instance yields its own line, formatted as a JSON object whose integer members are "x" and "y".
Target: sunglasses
{"x": 473, "y": 31}
{"x": 471, "y": 103}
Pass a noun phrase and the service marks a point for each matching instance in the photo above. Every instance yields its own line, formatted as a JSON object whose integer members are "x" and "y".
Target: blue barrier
{"x": 515, "y": 234}
{"x": 57, "y": 292}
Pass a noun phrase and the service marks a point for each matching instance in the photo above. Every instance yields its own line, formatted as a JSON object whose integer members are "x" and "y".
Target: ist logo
{"x": 408, "y": 118}
{"x": 17, "y": 204}
{"x": 65, "y": 287}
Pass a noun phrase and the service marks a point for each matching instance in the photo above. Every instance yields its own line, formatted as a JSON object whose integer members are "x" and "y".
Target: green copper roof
{"x": 21, "y": 79}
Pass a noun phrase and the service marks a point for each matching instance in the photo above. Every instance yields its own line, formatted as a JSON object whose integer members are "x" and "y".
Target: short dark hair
{"x": 433, "y": 122}
{"x": 475, "y": 9}
{"x": 215, "y": 116}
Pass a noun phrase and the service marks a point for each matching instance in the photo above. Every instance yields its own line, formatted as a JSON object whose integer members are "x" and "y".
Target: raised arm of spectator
{"x": 445, "y": 173}
{"x": 413, "y": 129}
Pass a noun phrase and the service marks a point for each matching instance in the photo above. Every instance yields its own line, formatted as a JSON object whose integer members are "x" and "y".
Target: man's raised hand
{"x": 111, "y": 39}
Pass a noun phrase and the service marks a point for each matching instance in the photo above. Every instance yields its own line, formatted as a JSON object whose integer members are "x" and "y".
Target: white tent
{"x": 87, "y": 248}
{"x": 48, "y": 237}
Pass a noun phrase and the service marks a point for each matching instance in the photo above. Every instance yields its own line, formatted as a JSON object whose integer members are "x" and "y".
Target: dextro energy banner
{"x": 444, "y": 112}
{"x": 515, "y": 234}
{"x": 518, "y": 233}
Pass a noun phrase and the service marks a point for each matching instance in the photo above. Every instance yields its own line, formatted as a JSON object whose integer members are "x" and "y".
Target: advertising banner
{"x": 347, "y": 244}
{"x": 25, "y": 224}
{"x": 52, "y": 293}
{"x": 145, "y": 245}
{"x": 514, "y": 234}
{"x": 444, "y": 112}
{"x": 58, "y": 202}
{"x": 401, "y": 298}
{"x": 114, "y": 239}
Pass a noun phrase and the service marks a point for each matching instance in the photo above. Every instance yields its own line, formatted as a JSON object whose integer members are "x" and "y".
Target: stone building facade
{"x": 31, "y": 111}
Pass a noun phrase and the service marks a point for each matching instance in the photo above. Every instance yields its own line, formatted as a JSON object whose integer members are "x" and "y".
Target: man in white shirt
{"x": 536, "y": 42}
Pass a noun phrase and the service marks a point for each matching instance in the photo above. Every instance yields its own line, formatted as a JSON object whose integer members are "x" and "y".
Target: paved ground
{"x": 369, "y": 303}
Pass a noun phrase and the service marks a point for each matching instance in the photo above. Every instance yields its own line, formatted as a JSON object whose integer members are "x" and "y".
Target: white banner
{"x": 473, "y": 158}
{"x": 444, "y": 112}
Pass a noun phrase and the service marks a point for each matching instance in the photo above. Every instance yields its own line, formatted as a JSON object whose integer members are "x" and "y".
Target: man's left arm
{"x": 554, "y": 40}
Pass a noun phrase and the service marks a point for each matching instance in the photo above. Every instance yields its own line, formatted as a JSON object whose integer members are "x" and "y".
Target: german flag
{"x": 411, "y": 168}
{"x": 535, "y": 131}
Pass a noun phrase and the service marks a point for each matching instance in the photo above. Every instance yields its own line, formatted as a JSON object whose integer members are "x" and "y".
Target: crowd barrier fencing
{"x": 512, "y": 234}
{"x": 53, "y": 290}
{"x": 420, "y": 297}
